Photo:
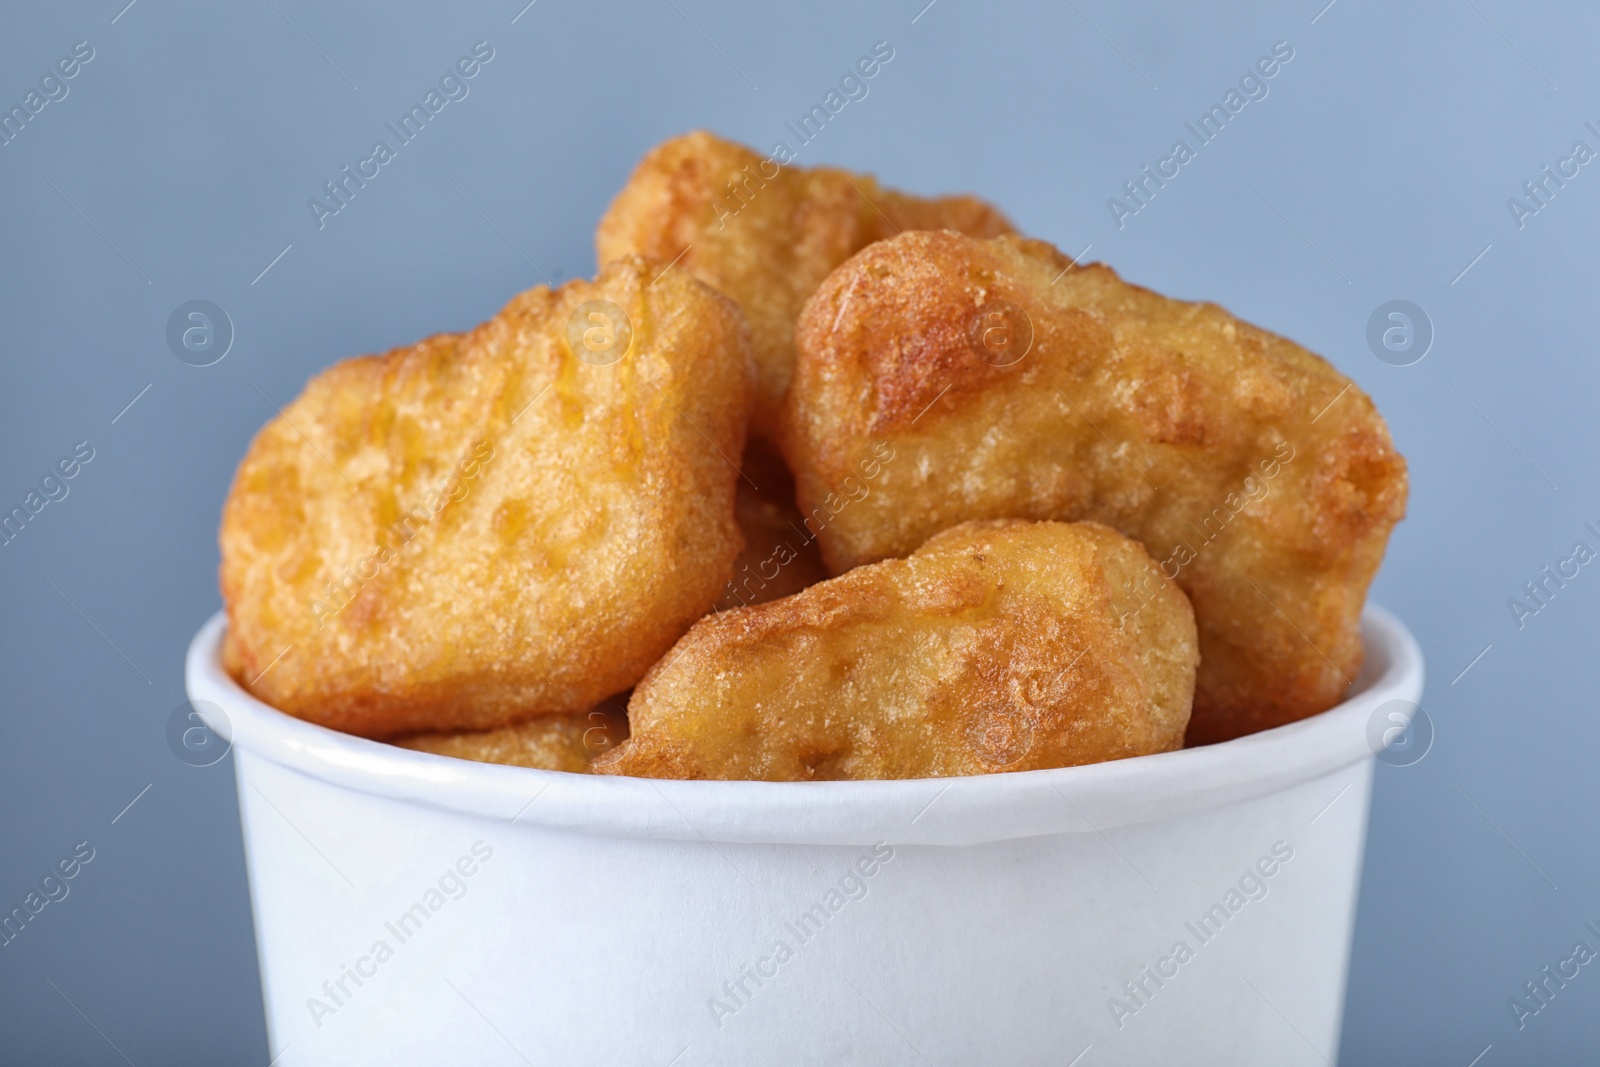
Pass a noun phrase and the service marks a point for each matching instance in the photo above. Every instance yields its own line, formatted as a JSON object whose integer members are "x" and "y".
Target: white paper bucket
{"x": 414, "y": 909}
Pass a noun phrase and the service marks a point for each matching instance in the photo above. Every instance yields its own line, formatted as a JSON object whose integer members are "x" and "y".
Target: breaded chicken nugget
{"x": 997, "y": 646}
{"x": 766, "y": 233}
{"x": 549, "y": 742}
{"x": 489, "y": 526}
{"x": 780, "y": 555}
{"x": 1004, "y": 382}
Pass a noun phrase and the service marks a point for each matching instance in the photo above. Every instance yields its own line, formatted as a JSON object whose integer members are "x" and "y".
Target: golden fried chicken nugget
{"x": 780, "y": 555}
{"x": 765, "y": 232}
{"x": 997, "y": 646}
{"x": 489, "y": 526}
{"x": 549, "y": 742}
{"x": 1005, "y": 382}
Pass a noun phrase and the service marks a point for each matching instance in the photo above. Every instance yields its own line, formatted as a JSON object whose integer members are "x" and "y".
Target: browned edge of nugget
{"x": 766, "y": 232}
{"x": 550, "y": 742}
{"x": 997, "y": 646}
{"x": 1260, "y": 478}
{"x": 490, "y": 526}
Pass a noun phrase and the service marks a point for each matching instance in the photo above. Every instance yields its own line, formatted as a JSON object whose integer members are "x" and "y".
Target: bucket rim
{"x": 937, "y": 811}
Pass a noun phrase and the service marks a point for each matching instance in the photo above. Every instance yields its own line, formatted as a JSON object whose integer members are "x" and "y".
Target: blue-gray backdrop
{"x": 1386, "y": 160}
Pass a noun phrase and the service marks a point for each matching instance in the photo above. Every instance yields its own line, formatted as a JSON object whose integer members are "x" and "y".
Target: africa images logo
{"x": 1141, "y": 190}
{"x": 337, "y": 992}
{"x": 453, "y": 87}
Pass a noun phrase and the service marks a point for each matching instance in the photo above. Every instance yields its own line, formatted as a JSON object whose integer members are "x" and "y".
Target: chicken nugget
{"x": 548, "y": 743}
{"x": 997, "y": 646}
{"x": 765, "y": 232}
{"x": 489, "y": 526}
{"x": 780, "y": 555}
{"x": 1006, "y": 382}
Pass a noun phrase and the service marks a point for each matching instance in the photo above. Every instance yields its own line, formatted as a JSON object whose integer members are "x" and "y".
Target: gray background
{"x": 1378, "y": 168}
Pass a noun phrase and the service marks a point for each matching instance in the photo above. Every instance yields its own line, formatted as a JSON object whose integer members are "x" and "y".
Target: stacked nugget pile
{"x": 1066, "y": 519}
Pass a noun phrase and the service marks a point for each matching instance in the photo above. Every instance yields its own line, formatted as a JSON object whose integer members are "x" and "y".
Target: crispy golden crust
{"x": 780, "y": 555}
{"x": 997, "y": 646}
{"x": 483, "y": 528}
{"x": 1257, "y": 475}
{"x": 767, "y": 240}
{"x": 549, "y": 743}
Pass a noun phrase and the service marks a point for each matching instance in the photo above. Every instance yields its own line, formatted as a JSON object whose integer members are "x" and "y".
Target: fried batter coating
{"x": 1008, "y": 383}
{"x": 997, "y": 646}
{"x": 780, "y": 555}
{"x": 766, "y": 233}
{"x": 486, "y": 527}
{"x": 549, "y": 742}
